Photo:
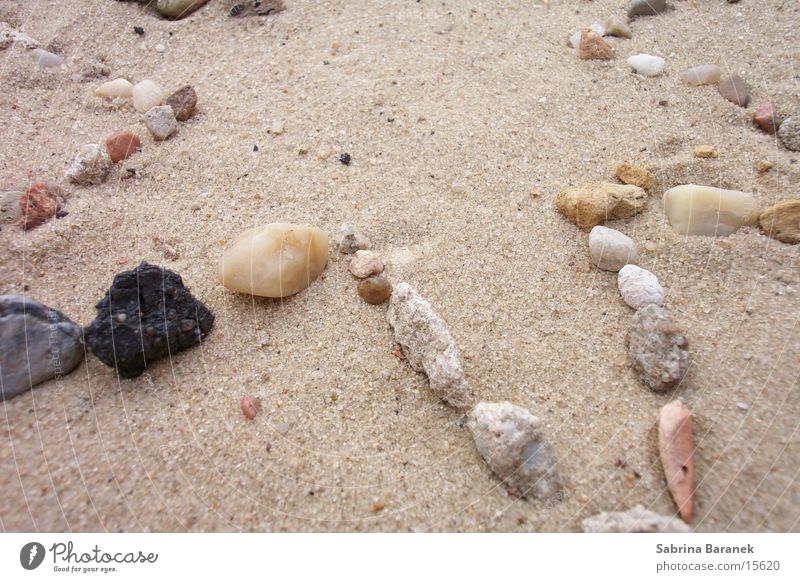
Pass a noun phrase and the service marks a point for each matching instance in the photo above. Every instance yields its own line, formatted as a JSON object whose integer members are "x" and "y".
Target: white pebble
{"x": 611, "y": 250}
{"x": 161, "y": 122}
{"x": 709, "y": 211}
{"x": 116, "y": 88}
{"x": 575, "y": 39}
{"x": 639, "y": 287}
{"x": 647, "y": 65}
{"x": 160, "y": 48}
{"x": 146, "y": 95}
{"x": 46, "y": 60}
{"x": 277, "y": 127}
{"x": 598, "y": 28}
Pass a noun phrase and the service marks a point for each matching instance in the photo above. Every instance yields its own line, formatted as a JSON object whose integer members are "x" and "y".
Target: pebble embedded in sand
{"x": 765, "y": 117}
{"x": 701, "y": 75}
{"x": 593, "y": 47}
{"x": 646, "y": 65}
{"x": 615, "y": 26}
{"x": 646, "y": 7}
{"x": 250, "y": 406}
{"x": 178, "y": 8}
{"x": 118, "y": 88}
{"x": 704, "y": 210}
{"x": 275, "y": 260}
{"x": 636, "y": 175}
{"x": 611, "y": 250}
{"x": 45, "y": 59}
{"x": 636, "y": 520}
{"x": 122, "y": 144}
{"x": 40, "y": 203}
{"x": 89, "y": 166}
{"x": 161, "y": 122}
{"x": 639, "y": 287}
{"x": 597, "y": 202}
{"x": 277, "y": 127}
{"x": 676, "y": 449}
{"x": 349, "y": 240}
{"x": 789, "y": 133}
{"x": 146, "y": 95}
{"x": 705, "y": 151}
{"x": 10, "y": 210}
{"x": 11, "y": 37}
{"x": 365, "y": 264}
{"x": 782, "y": 221}
{"x": 183, "y": 102}
{"x": 657, "y": 348}
{"x": 375, "y": 290}
{"x": 735, "y": 90}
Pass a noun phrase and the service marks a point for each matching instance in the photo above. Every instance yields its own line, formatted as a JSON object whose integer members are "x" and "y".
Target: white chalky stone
{"x": 639, "y": 287}
{"x": 611, "y": 250}
{"x": 115, "y": 89}
{"x": 146, "y": 95}
{"x": 647, "y": 65}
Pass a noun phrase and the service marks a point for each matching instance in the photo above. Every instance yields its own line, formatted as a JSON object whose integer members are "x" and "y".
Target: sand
{"x": 483, "y": 96}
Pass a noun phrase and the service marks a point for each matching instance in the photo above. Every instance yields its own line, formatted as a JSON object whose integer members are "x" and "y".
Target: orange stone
{"x": 676, "y": 448}
{"x": 122, "y": 144}
{"x": 40, "y": 203}
{"x": 251, "y": 406}
{"x": 593, "y": 47}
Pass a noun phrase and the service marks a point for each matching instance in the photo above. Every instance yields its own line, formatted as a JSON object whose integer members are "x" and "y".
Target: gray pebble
{"x": 657, "y": 348}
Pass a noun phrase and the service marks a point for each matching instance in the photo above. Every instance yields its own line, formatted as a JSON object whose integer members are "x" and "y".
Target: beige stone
{"x": 597, "y": 202}
{"x": 705, "y": 151}
{"x": 636, "y": 175}
{"x": 782, "y": 221}
{"x": 114, "y": 89}
{"x": 704, "y": 210}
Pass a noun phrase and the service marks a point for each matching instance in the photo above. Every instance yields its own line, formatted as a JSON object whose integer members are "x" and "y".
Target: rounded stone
{"x": 161, "y": 122}
{"x": 782, "y": 221}
{"x": 639, "y": 287}
{"x": 365, "y": 264}
{"x": 789, "y": 133}
{"x": 701, "y": 75}
{"x": 89, "y": 166}
{"x": 611, "y": 250}
{"x": 735, "y": 90}
{"x": 646, "y": 65}
{"x": 118, "y": 88}
{"x": 375, "y": 290}
{"x": 122, "y": 144}
{"x": 146, "y": 95}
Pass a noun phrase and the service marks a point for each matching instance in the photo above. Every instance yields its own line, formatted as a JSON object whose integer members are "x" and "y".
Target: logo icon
{"x": 31, "y": 555}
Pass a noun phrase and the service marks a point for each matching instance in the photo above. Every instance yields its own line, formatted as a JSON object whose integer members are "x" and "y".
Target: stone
{"x": 250, "y": 406}
{"x": 176, "y": 9}
{"x": 375, "y": 290}
{"x": 646, "y": 7}
{"x": 636, "y": 520}
{"x": 701, "y": 75}
{"x": 365, "y": 264}
{"x": 735, "y": 90}
{"x": 657, "y": 348}
{"x": 704, "y": 210}
{"x": 145, "y": 315}
{"x": 789, "y": 133}
{"x": 161, "y": 122}
{"x": 46, "y": 60}
{"x": 116, "y": 89}
{"x": 40, "y": 203}
{"x": 146, "y": 95}
{"x": 676, "y": 448}
{"x": 183, "y": 102}
{"x": 349, "y": 240}
{"x": 764, "y": 166}
{"x": 597, "y": 202}
{"x": 122, "y": 144}
{"x": 782, "y": 221}
{"x": 636, "y": 175}
{"x": 598, "y": 28}
{"x": 428, "y": 345}
{"x": 39, "y": 344}
{"x": 90, "y": 70}
{"x": 593, "y": 47}
{"x": 765, "y": 117}
{"x": 611, "y": 250}
{"x": 277, "y": 127}
{"x": 705, "y": 151}
{"x": 646, "y": 65}
{"x": 10, "y": 210}
{"x": 511, "y": 441}
{"x": 89, "y": 166}
{"x": 575, "y": 39}
{"x": 639, "y": 287}
{"x": 10, "y": 37}
{"x": 615, "y": 26}
{"x": 275, "y": 260}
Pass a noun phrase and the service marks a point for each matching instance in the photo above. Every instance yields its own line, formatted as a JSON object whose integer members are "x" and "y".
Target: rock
{"x": 676, "y": 448}
{"x": 703, "y": 210}
{"x": 598, "y": 28}
{"x": 345, "y": 159}
{"x": 701, "y": 75}
{"x": 639, "y": 287}
{"x": 365, "y": 264}
{"x": 597, "y": 202}
{"x": 735, "y": 90}
{"x": 611, "y": 250}
{"x": 146, "y": 314}
{"x": 45, "y": 59}
{"x": 375, "y": 290}
{"x": 635, "y": 520}
{"x": 511, "y": 441}
{"x": 10, "y": 37}
{"x": 657, "y": 349}
{"x": 146, "y": 95}
{"x": 705, "y": 151}
{"x": 782, "y": 221}
{"x": 91, "y": 69}
{"x": 646, "y": 65}
{"x": 183, "y": 103}
{"x": 764, "y": 166}
{"x": 765, "y": 117}
{"x": 646, "y": 7}
{"x": 575, "y": 39}
{"x": 428, "y": 345}
{"x": 161, "y": 122}
{"x": 39, "y": 343}
{"x": 10, "y": 210}
{"x": 593, "y": 47}
{"x": 178, "y": 8}
{"x": 40, "y": 203}
{"x": 275, "y": 260}
{"x": 118, "y": 88}
{"x": 349, "y": 240}
{"x": 636, "y": 175}
{"x": 789, "y": 133}
{"x": 122, "y": 144}
{"x": 324, "y": 152}
{"x": 250, "y": 406}
{"x": 277, "y": 127}
{"x": 89, "y": 166}
{"x": 615, "y": 26}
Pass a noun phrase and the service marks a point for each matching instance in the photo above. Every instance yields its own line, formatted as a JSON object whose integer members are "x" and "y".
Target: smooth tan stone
{"x": 782, "y": 221}
{"x": 178, "y": 8}
{"x": 114, "y": 89}
{"x": 275, "y": 260}
{"x": 709, "y": 211}
{"x": 146, "y": 95}
{"x": 701, "y": 75}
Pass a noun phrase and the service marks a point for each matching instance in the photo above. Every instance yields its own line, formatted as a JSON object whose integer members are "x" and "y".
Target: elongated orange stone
{"x": 676, "y": 446}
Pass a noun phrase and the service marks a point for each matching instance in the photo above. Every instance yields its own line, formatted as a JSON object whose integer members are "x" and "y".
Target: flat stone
{"x": 635, "y": 175}
{"x": 161, "y": 122}
{"x": 705, "y": 151}
{"x": 782, "y": 221}
{"x": 646, "y": 7}
{"x": 39, "y": 343}
{"x": 611, "y": 250}
{"x": 46, "y": 60}
{"x": 735, "y": 90}
{"x": 636, "y": 520}
{"x": 646, "y": 65}
{"x": 615, "y": 26}
{"x": 657, "y": 348}
{"x": 118, "y": 88}
{"x": 593, "y": 47}
{"x": 704, "y": 210}
{"x": 639, "y": 287}
{"x": 765, "y": 117}
{"x": 122, "y": 144}
{"x": 89, "y": 166}
{"x": 183, "y": 103}
{"x": 676, "y": 449}
{"x": 375, "y": 290}
{"x": 789, "y": 133}
{"x": 701, "y": 75}
{"x": 146, "y": 95}
{"x": 597, "y": 202}
{"x": 365, "y": 264}
{"x": 176, "y": 9}
{"x": 349, "y": 240}
{"x": 40, "y": 203}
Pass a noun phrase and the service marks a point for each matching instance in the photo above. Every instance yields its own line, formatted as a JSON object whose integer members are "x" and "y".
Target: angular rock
{"x": 161, "y": 122}
{"x": 365, "y": 264}
{"x": 147, "y": 314}
{"x": 639, "y": 287}
{"x": 636, "y": 520}
{"x": 118, "y": 88}
{"x": 10, "y": 210}
{"x": 636, "y": 175}
{"x": 657, "y": 348}
{"x": 39, "y": 343}
{"x": 704, "y": 210}
{"x": 593, "y": 47}
{"x": 575, "y": 39}
{"x": 11, "y": 37}
{"x": 89, "y": 166}
{"x": 511, "y": 441}
{"x": 735, "y": 90}
{"x": 428, "y": 345}
{"x": 597, "y": 202}
{"x": 45, "y": 59}
{"x": 40, "y": 203}
{"x": 782, "y": 221}
{"x": 646, "y": 65}
{"x": 615, "y": 26}
{"x": 789, "y": 133}
{"x": 702, "y": 75}
{"x": 765, "y": 117}
{"x": 146, "y": 95}
{"x": 183, "y": 102}
{"x": 676, "y": 448}
{"x": 646, "y": 7}
{"x": 375, "y": 290}
{"x": 611, "y": 250}
{"x": 349, "y": 240}
{"x": 176, "y": 9}
{"x": 122, "y": 144}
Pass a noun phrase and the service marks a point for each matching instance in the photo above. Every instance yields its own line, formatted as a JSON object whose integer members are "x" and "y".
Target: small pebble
{"x": 657, "y": 348}
{"x": 345, "y": 159}
{"x": 277, "y": 127}
{"x": 593, "y": 47}
{"x": 349, "y": 240}
{"x": 635, "y": 520}
{"x": 764, "y": 166}
{"x": 375, "y": 290}
{"x": 178, "y": 8}
{"x": 250, "y": 406}
{"x": 45, "y": 59}
{"x": 10, "y": 37}
{"x": 575, "y": 39}
{"x": 160, "y": 48}
{"x": 646, "y": 65}
{"x": 596, "y": 202}
{"x": 701, "y": 75}
{"x": 146, "y": 95}
{"x": 704, "y": 210}
{"x": 122, "y": 144}
{"x": 611, "y": 250}
{"x": 161, "y": 122}
{"x": 41, "y": 202}
{"x": 89, "y": 166}
{"x": 615, "y": 26}
{"x": 781, "y": 221}
{"x": 705, "y": 151}
{"x": 676, "y": 450}
{"x": 735, "y": 90}
{"x": 10, "y": 210}
{"x": 765, "y": 117}
{"x": 324, "y": 152}
{"x": 639, "y": 287}
{"x": 789, "y": 133}
{"x": 90, "y": 70}
{"x": 646, "y": 7}
{"x": 636, "y": 175}
{"x": 365, "y": 264}
{"x": 115, "y": 89}
{"x": 183, "y": 102}
{"x": 138, "y": 30}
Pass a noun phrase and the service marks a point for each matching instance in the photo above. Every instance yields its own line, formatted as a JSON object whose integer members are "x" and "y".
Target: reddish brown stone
{"x": 122, "y": 144}
{"x": 251, "y": 406}
{"x": 593, "y": 47}
{"x": 183, "y": 103}
{"x": 676, "y": 447}
{"x": 764, "y": 117}
{"x": 40, "y": 203}
{"x": 375, "y": 290}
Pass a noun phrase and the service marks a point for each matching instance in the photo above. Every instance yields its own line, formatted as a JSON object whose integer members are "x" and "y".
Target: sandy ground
{"x": 421, "y": 94}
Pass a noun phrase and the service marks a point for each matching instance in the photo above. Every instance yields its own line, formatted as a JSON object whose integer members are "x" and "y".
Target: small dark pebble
{"x": 255, "y": 148}
{"x": 663, "y": 103}
{"x": 138, "y": 30}
{"x": 345, "y": 159}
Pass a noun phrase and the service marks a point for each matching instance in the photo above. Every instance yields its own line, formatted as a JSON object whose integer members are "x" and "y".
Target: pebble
{"x": 146, "y": 95}
{"x": 676, "y": 448}
{"x": 345, "y": 159}
{"x": 122, "y": 144}
{"x": 735, "y": 90}
{"x": 10, "y": 210}
{"x": 704, "y": 210}
{"x": 511, "y": 441}
{"x": 11, "y": 37}
{"x": 89, "y": 166}
{"x": 324, "y": 152}
{"x": 636, "y": 175}
{"x": 183, "y": 102}
{"x": 91, "y": 69}
{"x": 701, "y": 75}
{"x": 277, "y": 127}
{"x": 789, "y": 133}
{"x": 428, "y": 345}
{"x": 118, "y": 88}
{"x": 160, "y": 48}
{"x": 40, "y": 203}
{"x": 349, "y": 240}
{"x": 250, "y": 406}
{"x": 639, "y": 287}
{"x": 765, "y": 117}
{"x": 636, "y": 520}
{"x": 161, "y": 122}
{"x": 646, "y": 65}
{"x": 575, "y": 39}
{"x": 611, "y": 250}
{"x": 45, "y": 59}
{"x": 705, "y": 151}
{"x": 593, "y": 47}
{"x": 646, "y": 7}
{"x": 145, "y": 315}
{"x": 375, "y": 290}
{"x": 178, "y": 8}
{"x": 782, "y": 221}
{"x": 365, "y": 264}
{"x": 764, "y": 166}
{"x": 615, "y": 26}
{"x": 39, "y": 343}
{"x": 657, "y": 348}
{"x": 274, "y": 260}
{"x": 597, "y": 202}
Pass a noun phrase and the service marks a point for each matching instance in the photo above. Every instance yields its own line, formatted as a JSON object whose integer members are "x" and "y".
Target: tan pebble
{"x": 764, "y": 166}
{"x": 365, "y": 264}
{"x": 593, "y": 47}
{"x": 324, "y": 152}
{"x": 636, "y": 175}
{"x": 122, "y": 144}
{"x": 596, "y": 202}
{"x": 782, "y": 221}
{"x": 251, "y": 406}
{"x": 709, "y": 211}
{"x": 676, "y": 447}
{"x": 375, "y": 290}
{"x": 705, "y": 151}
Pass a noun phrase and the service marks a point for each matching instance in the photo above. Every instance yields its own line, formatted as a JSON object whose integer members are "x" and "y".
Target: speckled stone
{"x": 657, "y": 348}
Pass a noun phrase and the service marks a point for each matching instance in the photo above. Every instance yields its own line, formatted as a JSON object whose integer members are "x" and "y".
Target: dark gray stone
{"x": 646, "y": 7}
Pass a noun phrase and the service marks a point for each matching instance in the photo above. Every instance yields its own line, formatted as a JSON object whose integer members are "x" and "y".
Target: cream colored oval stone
{"x": 116, "y": 88}
{"x": 708, "y": 211}
{"x": 146, "y": 95}
{"x": 275, "y": 260}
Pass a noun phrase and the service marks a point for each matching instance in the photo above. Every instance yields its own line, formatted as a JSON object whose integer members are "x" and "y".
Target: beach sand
{"x": 454, "y": 115}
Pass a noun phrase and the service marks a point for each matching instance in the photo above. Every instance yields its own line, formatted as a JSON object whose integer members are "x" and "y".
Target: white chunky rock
{"x": 89, "y": 166}
{"x": 11, "y": 37}
{"x": 646, "y": 65}
{"x": 118, "y": 88}
{"x": 701, "y": 75}
{"x": 428, "y": 345}
{"x": 704, "y": 210}
{"x": 365, "y": 264}
{"x": 161, "y": 122}
{"x": 146, "y": 95}
{"x": 575, "y": 39}
{"x": 639, "y": 287}
{"x": 636, "y": 520}
{"x": 611, "y": 250}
